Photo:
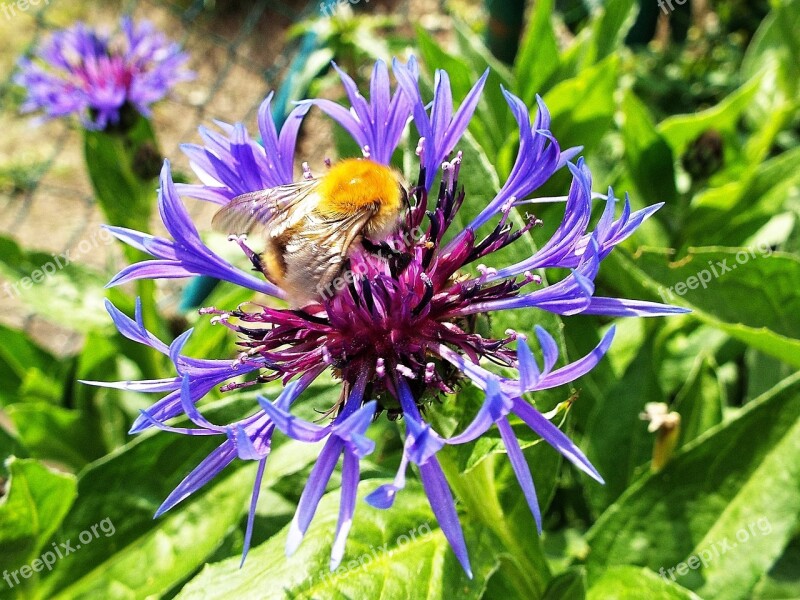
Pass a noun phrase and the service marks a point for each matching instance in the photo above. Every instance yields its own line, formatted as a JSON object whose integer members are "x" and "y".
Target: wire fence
{"x": 240, "y": 51}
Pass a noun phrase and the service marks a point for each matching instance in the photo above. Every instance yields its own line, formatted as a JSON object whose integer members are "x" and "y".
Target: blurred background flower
{"x": 98, "y": 76}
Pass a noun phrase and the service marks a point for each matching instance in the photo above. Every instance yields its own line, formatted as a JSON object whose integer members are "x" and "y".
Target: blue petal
{"x": 347, "y": 506}
{"x": 555, "y": 437}
{"x": 521, "y": 470}
{"x": 312, "y": 493}
{"x": 529, "y": 373}
{"x": 220, "y": 458}
{"x": 441, "y": 501}
{"x": 251, "y": 515}
{"x": 619, "y": 307}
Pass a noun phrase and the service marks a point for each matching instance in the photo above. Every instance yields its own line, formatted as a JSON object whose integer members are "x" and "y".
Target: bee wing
{"x": 265, "y": 207}
{"x": 317, "y": 252}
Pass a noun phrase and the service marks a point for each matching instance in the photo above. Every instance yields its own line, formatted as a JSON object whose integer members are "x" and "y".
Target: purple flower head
{"x": 96, "y": 76}
{"x": 398, "y": 327}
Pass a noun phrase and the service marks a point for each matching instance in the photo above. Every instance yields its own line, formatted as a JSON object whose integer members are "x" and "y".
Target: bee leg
{"x": 254, "y": 257}
{"x": 398, "y": 261}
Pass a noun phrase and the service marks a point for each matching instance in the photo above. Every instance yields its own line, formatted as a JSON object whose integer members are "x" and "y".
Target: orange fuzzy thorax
{"x": 356, "y": 182}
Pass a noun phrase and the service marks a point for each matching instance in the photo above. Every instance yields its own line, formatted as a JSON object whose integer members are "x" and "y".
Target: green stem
{"x": 477, "y": 492}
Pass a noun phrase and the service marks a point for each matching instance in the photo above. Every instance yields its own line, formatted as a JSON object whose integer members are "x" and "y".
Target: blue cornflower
{"x": 402, "y": 332}
{"x": 95, "y": 76}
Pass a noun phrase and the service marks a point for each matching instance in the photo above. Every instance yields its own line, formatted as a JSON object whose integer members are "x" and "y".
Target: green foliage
{"x": 709, "y": 127}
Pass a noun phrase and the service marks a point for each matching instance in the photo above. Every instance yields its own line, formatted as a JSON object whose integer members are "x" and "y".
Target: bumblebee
{"x": 311, "y": 227}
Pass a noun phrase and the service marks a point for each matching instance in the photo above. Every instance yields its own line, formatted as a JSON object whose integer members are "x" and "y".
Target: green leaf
{"x": 582, "y": 108}
{"x": 649, "y": 157}
{"x": 479, "y": 492}
{"x": 537, "y": 59}
{"x": 679, "y": 130}
{"x": 608, "y": 29}
{"x": 734, "y": 297}
{"x": 9, "y": 446}
{"x": 718, "y": 516}
{"x": 735, "y": 212}
{"x": 783, "y": 579}
{"x": 27, "y": 370}
{"x": 59, "y": 434}
{"x": 569, "y": 585}
{"x": 62, "y": 292}
{"x": 624, "y": 583}
{"x": 396, "y": 553}
{"x": 37, "y": 500}
{"x": 146, "y": 555}
{"x": 777, "y": 35}
{"x": 155, "y": 560}
{"x": 492, "y": 122}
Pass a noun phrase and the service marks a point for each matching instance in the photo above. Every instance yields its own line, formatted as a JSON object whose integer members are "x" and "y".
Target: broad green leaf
{"x": 582, "y": 108}
{"x": 627, "y": 583}
{"x": 684, "y": 342}
{"x": 648, "y": 156}
{"x": 608, "y": 29}
{"x": 155, "y": 560}
{"x": 569, "y": 585}
{"x": 777, "y": 35}
{"x": 748, "y": 294}
{"x": 63, "y": 435}
{"x": 126, "y": 488}
{"x": 25, "y": 366}
{"x": 9, "y": 446}
{"x": 479, "y": 491}
{"x": 734, "y": 213}
{"x": 718, "y": 516}
{"x": 582, "y": 334}
{"x": 783, "y": 579}
{"x": 763, "y": 372}
{"x": 63, "y": 292}
{"x": 18, "y": 353}
{"x": 396, "y": 553}
{"x": 37, "y": 500}
{"x": 598, "y": 39}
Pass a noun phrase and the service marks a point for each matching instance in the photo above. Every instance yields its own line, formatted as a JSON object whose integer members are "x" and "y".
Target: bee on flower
{"x": 400, "y": 331}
